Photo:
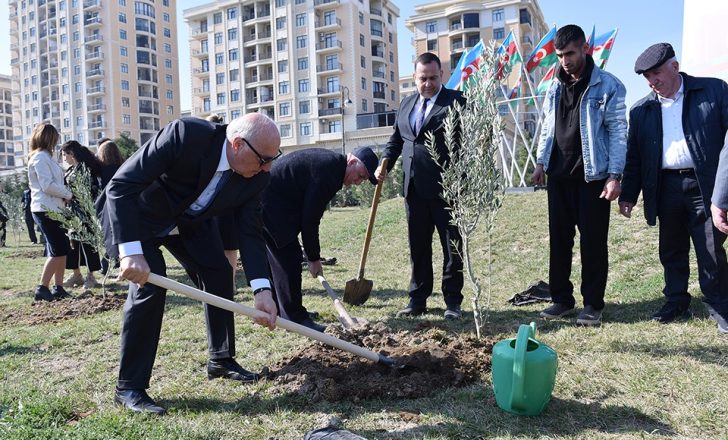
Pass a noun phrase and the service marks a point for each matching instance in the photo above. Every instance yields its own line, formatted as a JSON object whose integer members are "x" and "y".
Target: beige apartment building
{"x": 325, "y": 70}
{"x": 7, "y": 149}
{"x": 94, "y": 68}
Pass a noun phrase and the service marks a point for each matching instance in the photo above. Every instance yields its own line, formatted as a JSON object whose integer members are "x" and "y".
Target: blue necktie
{"x": 421, "y": 116}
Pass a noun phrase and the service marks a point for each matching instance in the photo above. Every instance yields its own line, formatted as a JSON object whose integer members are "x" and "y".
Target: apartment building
{"x": 7, "y": 149}
{"x": 94, "y": 68}
{"x": 319, "y": 68}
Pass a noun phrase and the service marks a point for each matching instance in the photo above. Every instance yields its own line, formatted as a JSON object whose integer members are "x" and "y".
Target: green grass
{"x": 631, "y": 378}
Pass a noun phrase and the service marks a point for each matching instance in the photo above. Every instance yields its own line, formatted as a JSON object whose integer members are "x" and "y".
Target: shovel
{"x": 357, "y": 290}
{"x": 291, "y": 326}
{"x": 344, "y": 317}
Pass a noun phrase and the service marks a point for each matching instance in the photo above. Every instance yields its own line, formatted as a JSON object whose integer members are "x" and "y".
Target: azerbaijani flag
{"x": 590, "y": 42}
{"x": 603, "y": 48}
{"x": 515, "y": 93}
{"x": 545, "y": 83}
{"x": 454, "y": 80}
{"x": 544, "y": 54}
{"x": 472, "y": 64}
{"x": 508, "y": 55}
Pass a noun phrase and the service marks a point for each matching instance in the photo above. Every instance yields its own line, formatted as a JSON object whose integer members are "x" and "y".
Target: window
{"x": 235, "y": 95}
{"x": 167, "y": 47}
{"x": 285, "y": 130}
{"x": 282, "y": 44}
{"x": 334, "y": 126}
{"x": 220, "y": 78}
{"x": 303, "y": 63}
{"x": 284, "y": 108}
{"x": 305, "y": 127}
{"x": 168, "y": 63}
{"x": 303, "y": 85}
{"x": 232, "y": 13}
{"x": 525, "y": 16}
{"x": 126, "y": 119}
{"x": 125, "y": 102}
{"x": 363, "y": 62}
{"x": 283, "y": 87}
{"x": 77, "y": 53}
{"x": 233, "y": 55}
{"x": 124, "y": 68}
{"x": 124, "y": 84}
{"x": 218, "y": 37}
{"x": 233, "y": 34}
{"x": 498, "y": 15}
{"x": 280, "y": 22}
{"x": 167, "y": 33}
{"x": 170, "y": 94}
{"x": 301, "y": 41}
{"x": 364, "y": 105}
{"x": 122, "y": 34}
{"x": 282, "y": 66}
{"x": 217, "y": 18}
{"x": 304, "y": 107}
{"x": 234, "y": 114}
{"x": 362, "y": 41}
{"x": 471, "y": 20}
{"x": 361, "y": 18}
{"x": 122, "y": 17}
{"x": 220, "y": 99}
{"x": 234, "y": 75}
{"x": 124, "y": 52}
{"x": 219, "y": 58}
{"x": 165, "y": 17}
{"x": 363, "y": 83}
{"x": 389, "y": 17}
{"x": 431, "y": 45}
{"x": 499, "y": 33}
{"x": 300, "y": 20}
{"x": 300, "y": 2}
{"x": 332, "y": 84}
{"x": 168, "y": 79}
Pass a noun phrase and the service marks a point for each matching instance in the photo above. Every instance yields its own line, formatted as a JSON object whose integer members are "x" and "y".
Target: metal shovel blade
{"x": 357, "y": 291}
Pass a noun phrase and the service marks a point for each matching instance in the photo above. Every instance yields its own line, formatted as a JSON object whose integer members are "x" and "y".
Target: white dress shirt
{"x": 675, "y": 152}
{"x": 135, "y": 247}
{"x": 428, "y": 109}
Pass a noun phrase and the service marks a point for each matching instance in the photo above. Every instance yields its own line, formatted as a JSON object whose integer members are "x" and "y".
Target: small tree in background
{"x": 11, "y": 198}
{"x": 79, "y": 217}
{"x": 472, "y": 183}
{"x": 127, "y": 145}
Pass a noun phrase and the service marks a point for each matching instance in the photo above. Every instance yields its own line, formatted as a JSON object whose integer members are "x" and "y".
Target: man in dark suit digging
{"x": 166, "y": 195}
{"x": 301, "y": 184}
{"x": 418, "y": 114}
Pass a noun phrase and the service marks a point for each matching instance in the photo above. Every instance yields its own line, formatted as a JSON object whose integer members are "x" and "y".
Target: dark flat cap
{"x": 366, "y": 155}
{"x": 653, "y": 56}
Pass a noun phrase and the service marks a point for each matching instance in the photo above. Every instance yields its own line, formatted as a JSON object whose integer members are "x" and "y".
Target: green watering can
{"x": 524, "y": 373}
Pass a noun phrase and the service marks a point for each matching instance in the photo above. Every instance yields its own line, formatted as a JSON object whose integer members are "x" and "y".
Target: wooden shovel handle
{"x": 234, "y": 307}
{"x": 344, "y": 316}
{"x": 370, "y": 225}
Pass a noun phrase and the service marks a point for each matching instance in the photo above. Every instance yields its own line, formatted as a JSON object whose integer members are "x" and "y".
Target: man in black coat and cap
{"x": 301, "y": 185}
{"x": 675, "y": 137}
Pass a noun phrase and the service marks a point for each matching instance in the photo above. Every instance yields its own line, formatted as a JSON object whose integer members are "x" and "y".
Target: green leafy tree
{"x": 472, "y": 182}
{"x": 11, "y": 198}
{"x": 127, "y": 145}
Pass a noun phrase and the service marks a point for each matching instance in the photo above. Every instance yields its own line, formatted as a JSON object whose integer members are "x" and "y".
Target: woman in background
{"x": 48, "y": 193}
{"x": 111, "y": 159}
{"x": 81, "y": 254}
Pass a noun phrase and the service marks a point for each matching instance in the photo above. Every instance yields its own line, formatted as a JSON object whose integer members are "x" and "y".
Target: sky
{"x": 640, "y": 23}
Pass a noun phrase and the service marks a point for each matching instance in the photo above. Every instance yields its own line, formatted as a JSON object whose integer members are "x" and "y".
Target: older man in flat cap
{"x": 675, "y": 137}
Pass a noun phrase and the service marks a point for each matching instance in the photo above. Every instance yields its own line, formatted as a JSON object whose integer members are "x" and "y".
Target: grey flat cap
{"x": 652, "y": 57}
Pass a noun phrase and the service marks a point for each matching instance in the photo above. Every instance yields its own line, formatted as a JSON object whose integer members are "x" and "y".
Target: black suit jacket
{"x": 301, "y": 184}
{"x": 152, "y": 190}
{"x": 416, "y": 160}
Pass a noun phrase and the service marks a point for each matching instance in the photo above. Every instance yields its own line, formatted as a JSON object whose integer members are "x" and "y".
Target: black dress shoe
{"x": 42, "y": 293}
{"x": 453, "y": 313}
{"x": 229, "y": 369}
{"x": 139, "y": 401}
{"x": 671, "y": 312}
{"x": 310, "y": 323}
{"x": 412, "y": 310}
{"x": 60, "y": 293}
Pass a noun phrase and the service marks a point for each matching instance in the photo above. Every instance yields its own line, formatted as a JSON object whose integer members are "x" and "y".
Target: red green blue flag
{"x": 603, "y": 48}
{"x": 508, "y": 55}
{"x": 544, "y": 53}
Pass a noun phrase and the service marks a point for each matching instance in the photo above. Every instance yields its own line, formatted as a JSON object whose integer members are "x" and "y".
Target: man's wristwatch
{"x": 615, "y": 176}
{"x": 260, "y": 289}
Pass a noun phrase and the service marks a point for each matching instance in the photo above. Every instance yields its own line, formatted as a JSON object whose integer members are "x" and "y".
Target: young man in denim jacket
{"x": 582, "y": 148}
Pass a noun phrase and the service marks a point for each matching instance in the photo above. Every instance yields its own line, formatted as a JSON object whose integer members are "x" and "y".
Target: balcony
{"x": 198, "y": 33}
{"x": 375, "y": 11}
{"x": 93, "y": 37}
{"x": 96, "y": 125}
{"x": 92, "y": 5}
{"x": 324, "y": 3}
{"x": 328, "y": 24}
{"x": 379, "y": 74}
{"x": 328, "y": 91}
{"x": 380, "y": 95}
{"x": 96, "y": 108}
{"x": 96, "y": 55}
{"x": 91, "y": 91}
{"x": 330, "y": 68}
{"x": 377, "y": 53}
{"x": 200, "y": 71}
{"x": 92, "y": 22}
{"x": 94, "y": 72}
{"x": 197, "y": 91}
{"x": 329, "y": 46}
{"x": 199, "y": 52}
{"x": 330, "y": 111}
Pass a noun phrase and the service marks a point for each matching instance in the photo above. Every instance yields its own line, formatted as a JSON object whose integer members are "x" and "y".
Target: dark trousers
{"x": 30, "y": 226}
{"x": 144, "y": 307}
{"x": 576, "y": 204}
{"x": 83, "y": 254}
{"x": 683, "y": 217}
{"x": 285, "y": 268}
{"x": 3, "y": 233}
{"x": 424, "y": 215}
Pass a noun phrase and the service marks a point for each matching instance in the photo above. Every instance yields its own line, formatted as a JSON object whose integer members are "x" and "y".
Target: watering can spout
{"x": 524, "y": 372}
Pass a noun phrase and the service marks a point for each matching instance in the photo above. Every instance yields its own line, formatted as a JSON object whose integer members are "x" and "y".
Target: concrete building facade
{"x": 94, "y": 68}
{"x": 7, "y": 149}
{"x": 324, "y": 70}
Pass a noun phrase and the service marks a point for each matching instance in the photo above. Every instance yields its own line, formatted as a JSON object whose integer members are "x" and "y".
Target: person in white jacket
{"x": 48, "y": 193}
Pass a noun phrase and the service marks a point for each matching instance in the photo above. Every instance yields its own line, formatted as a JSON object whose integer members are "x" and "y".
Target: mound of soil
{"x": 435, "y": 358}
{"x": 85, "y": 304}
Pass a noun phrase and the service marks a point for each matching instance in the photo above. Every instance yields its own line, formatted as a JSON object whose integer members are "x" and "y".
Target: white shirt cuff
{"x": 130, "y": 248}
{"x": 259, "y": 283}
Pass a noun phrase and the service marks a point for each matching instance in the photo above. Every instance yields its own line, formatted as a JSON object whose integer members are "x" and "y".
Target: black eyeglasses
{"x": 263, "y": 160}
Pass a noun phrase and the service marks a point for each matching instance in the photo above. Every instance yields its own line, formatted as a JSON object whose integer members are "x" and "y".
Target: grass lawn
{"x": 630, "y": 378}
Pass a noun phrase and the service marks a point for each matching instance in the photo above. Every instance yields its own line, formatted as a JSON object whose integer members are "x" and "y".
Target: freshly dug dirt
{"x": 436, "y": 358}
{"x": 84, "y": 304}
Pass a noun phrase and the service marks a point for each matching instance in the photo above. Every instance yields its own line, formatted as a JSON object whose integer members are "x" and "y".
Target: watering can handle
{"x": 519, "y": 364}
